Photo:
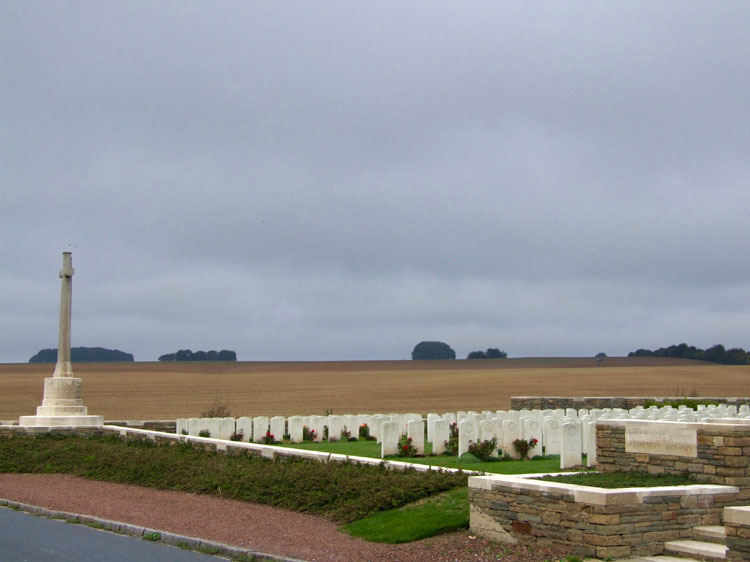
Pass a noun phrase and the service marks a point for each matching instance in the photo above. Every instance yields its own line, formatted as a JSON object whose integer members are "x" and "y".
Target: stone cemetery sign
{"x": 661, "y": 439}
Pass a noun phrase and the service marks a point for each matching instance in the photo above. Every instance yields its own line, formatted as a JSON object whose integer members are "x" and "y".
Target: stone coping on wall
{"x": 724, "y": 424}
{"x": 275, "y": 451}
{"x": 739, "y": 515}
{"x": 594, "y": 496}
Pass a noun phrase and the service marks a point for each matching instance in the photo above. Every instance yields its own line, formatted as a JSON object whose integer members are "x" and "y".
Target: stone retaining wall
{"x": 722, "y": 455}
{"x": 737, "y": 524}
{"x": 10, "y": 431}
{"x": 627, "y": 403}
{"x": 169, "y": 426}
{"x": 592, "y": 521}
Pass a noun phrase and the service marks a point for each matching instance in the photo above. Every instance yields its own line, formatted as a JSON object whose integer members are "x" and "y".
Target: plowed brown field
{"x": 169, "y": 390}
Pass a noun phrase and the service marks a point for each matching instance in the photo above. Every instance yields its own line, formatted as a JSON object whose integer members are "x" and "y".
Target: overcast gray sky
{"x": 341, "y": 180}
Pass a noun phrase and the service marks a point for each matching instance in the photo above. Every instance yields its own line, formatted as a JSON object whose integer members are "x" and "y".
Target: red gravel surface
{"x": 257, "y": 527}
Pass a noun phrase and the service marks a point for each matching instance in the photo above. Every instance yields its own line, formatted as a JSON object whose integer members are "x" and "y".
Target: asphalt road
{"x": 28, "y": 538}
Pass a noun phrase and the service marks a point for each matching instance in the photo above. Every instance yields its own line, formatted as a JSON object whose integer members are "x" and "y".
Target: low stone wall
{"x": 168, "y": 426}
{"x": 627, "y": 403}
{"x": 592, "y": 521}
{"x": 715, "y": 453}
{"x": 10, "y": 431}
{"x": 737, "y": 524}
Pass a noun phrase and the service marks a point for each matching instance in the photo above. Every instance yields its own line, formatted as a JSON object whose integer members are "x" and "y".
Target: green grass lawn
{"x": 466, "y": 462}
{"x": 618, "y": 479}
{"x": 438, "y": 514}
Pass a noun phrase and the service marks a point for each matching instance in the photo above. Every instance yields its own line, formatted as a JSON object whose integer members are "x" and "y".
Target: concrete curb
{"x": 172, "y": 539}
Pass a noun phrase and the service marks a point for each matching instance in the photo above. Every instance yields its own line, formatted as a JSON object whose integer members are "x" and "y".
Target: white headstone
{"x": 533, "y": 430}
{"x": 182, "y": 426}
{"x": 194, "y": 426}
{"x": 317, "y": 424}
{"x": 278, "y": 427}
{"x": 295, "y": 429}
{"x": 351, "y": 424}
{"x": 552, "y": 436}
{"x": 467, "y": 434}
{"x": 591, "y": 455}
{"x": 489, "y": 430}
{"x": 585, "y": 434}
{"x": 440, "y": 436}
{"x": 511, "y": 433}
{"x": 377, "y": 427}
{"x": 415, "y": 431}
{"x": 244, "y": 425}
{"x": 212, "y": 426}
{"x": 570, "y": 454}
{"x": 390, "y": 436}
{"x": 260, "y": 428}
{"x": 226, "y": 428}
{"x": 335, "y": 425}
{"x": 431, "y": 418}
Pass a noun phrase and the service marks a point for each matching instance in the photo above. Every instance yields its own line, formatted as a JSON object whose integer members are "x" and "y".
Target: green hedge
{"x": 343, "y": 491}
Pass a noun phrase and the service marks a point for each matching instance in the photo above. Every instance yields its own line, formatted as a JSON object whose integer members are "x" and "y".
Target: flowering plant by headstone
{"x": 484, "y": 449}
{"x": 406, "y": 448}
{"x": 523, "y": 446}
{"x": 268, "y": 438}
{"x": 451, "y": 446}
{"x": 364, "y": 433}
{"x": 308, "y": 434}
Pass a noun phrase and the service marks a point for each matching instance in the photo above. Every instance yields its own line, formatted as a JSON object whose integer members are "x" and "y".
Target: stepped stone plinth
{"x": 62, "y": 405}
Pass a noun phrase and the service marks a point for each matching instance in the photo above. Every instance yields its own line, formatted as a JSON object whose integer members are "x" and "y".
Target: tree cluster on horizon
{"x": 491, "y": 353}
{"x": 187, "y": 355}
{"x": 83, "y": 355}
{"x": 715, "y": 354}
{"x": 432, "y": 350}
{"x": 441, "y": 350}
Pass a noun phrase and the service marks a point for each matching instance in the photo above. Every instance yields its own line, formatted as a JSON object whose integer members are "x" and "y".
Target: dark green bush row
{"x": 689, "y": 402}
{"x": 343, "y": 491}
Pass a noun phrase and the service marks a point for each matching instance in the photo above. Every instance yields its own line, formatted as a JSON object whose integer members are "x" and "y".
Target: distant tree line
{"x": 83, "y": 355}
{"x": 441, "y": 350}
{"x": 187, "y": 355}
{"x": 715, "y": 354}
{"x": 491, "y": 353}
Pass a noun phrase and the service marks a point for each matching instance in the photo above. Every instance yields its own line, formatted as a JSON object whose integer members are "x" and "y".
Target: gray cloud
{"x": 332, "y": 181}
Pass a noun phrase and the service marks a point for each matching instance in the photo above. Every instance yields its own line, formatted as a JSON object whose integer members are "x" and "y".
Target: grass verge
{"x": 619, "y": 479}
{"x": 439, "y": 514}
{"x": 371, "y": 449}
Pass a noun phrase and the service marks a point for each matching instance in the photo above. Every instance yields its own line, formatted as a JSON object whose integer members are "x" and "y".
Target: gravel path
{"x": 258, "y": 527}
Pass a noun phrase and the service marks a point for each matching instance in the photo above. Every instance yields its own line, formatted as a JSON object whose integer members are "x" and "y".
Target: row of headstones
{"x": 549, "y": 431}
{"x": 261, "y": 429}
{"x": 567, "y": 432}
{"x": 386, "y": 429}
